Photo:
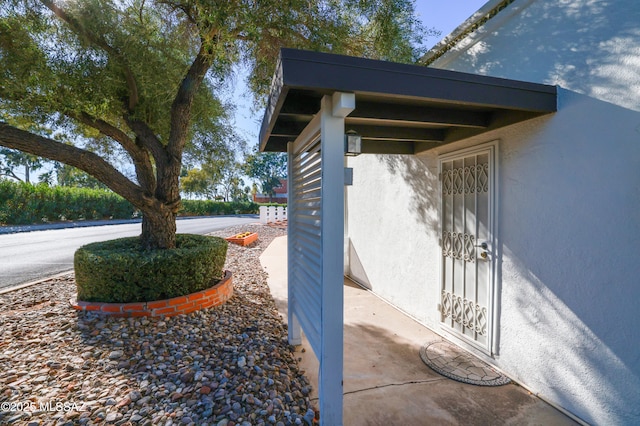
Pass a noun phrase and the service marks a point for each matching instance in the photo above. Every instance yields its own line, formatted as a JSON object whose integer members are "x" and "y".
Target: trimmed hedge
{"x": 23, "y": 204}
{"x": 212, "y": 208}
{"x": 120, "y": 271}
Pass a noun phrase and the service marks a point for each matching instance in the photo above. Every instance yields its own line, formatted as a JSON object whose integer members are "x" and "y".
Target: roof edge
{"x": 274, "y": 101}
{"x": 471, "y": 25}
{"x": 392, "y": 94}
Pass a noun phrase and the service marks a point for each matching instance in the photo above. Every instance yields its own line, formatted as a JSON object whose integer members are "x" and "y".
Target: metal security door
{"x": 467, "y": 242}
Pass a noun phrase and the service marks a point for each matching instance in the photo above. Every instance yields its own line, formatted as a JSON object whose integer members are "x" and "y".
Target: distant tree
{"x": 201, "y": 183}
{"x": 214, "y": 179}
{"x": 268, "y": 168}
{"x": 67, "y": 175}
{"x": 232, "y": 183}
{"x": 12, "y": 160}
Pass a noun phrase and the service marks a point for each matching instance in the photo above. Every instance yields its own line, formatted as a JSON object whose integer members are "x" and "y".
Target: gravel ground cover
{"x": 227, "y": 365}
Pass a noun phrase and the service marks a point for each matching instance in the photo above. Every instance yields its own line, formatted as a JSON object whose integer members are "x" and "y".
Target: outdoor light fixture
{"x": 352, "y": 143}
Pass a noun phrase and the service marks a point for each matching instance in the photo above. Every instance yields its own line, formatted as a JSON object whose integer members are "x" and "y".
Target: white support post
{"x": 263, "y": 214}
{"x": 333, "y": 111}
{"x": 293, "y": 326}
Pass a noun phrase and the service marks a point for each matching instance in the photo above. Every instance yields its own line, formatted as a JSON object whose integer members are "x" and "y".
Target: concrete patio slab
{"x": 386, "y": 382}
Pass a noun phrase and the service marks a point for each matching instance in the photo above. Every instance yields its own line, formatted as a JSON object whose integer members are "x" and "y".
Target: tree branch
{"x": 10, "y": 174}
{"x": 93, "y": 164}
{"x": 99, "y": 41}
{"x": 181, "y": 106}
{"x": 106, "y": 129}
{"x": 148, "y": 138}
{"x": 139, "y": 155}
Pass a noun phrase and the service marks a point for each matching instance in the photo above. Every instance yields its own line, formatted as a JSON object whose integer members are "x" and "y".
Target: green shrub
{"x": 121, "y": 271}
{"x": 25, "y": 204}
{"x": 213, "y": 208}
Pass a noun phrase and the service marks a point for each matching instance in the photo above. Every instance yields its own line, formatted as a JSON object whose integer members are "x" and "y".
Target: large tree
{"x": 141, "y": 77}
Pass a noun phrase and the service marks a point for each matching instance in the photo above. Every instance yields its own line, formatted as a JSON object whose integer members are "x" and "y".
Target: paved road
{"x": 28, "y": 256}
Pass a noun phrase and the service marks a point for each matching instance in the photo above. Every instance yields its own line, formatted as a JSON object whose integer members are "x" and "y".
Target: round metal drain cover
{"x": 449, "y": 360}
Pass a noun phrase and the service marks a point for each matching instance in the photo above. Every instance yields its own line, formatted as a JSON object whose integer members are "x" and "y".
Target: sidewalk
{"x": 386, "y": 382}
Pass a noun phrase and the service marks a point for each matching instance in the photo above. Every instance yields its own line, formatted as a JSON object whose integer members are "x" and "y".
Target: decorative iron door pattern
{"x": 467, "y": 244}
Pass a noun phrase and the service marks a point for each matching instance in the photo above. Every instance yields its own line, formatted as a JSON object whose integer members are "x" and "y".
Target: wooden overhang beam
{"x": 375, "y": 139}
{"x": 382, "y": 122}
{"x": 416, "y": 115}
{"x": 290, "y": 129}
{"x": 388, "y": 133}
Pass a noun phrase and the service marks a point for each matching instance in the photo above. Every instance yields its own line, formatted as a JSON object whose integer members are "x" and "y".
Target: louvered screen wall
{"x": 305, "y": 233}
{"x": 316, "y": 239}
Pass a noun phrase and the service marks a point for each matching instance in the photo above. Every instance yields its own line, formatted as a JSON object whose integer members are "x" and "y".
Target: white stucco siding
{"x": 588, "y": 46}
{"x": 392, "y": 221}
{"x": 569, "y": 229}
{"x": 568, "y": 208}
{"x": 568, "y": 211}
{"x": 568, "y": 235}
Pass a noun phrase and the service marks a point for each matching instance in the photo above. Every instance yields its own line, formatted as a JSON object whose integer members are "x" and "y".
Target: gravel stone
{"x": 226, "y": 365}
{"x": 135, "y": 396}
{"x": 116, "y": 355}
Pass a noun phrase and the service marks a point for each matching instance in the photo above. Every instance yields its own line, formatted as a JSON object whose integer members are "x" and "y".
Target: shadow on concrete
{"x": 386, "y": 382}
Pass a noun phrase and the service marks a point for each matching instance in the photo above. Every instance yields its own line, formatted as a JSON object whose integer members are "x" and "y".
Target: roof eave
{"x": 303, "y": 77}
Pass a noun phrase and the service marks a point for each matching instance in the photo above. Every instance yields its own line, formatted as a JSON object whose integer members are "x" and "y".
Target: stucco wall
{"x": 588, "y": 46}
{"x": 569, "y": 222}
{"x": 392, "y": 221}
{"x": 569, "y": 208}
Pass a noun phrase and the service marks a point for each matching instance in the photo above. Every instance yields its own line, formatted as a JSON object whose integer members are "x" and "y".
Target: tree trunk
{"x": 158, "y": 228}
{"x": 159, "y": 219}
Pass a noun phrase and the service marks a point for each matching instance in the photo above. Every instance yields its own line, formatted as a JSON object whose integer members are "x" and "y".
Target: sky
{"x": 443, "y": 15}
{"x": 446, "y": 15}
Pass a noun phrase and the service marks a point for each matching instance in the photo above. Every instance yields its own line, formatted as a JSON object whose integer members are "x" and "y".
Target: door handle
{"x": 485, "y": 248}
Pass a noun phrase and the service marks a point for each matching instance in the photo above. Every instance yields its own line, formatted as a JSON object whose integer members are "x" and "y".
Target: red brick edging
{"x": 213, "y": 296}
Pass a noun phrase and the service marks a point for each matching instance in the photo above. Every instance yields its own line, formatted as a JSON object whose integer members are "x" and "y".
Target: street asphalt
{"x": 12, "y": 229}
{"x": 29, "y": 253}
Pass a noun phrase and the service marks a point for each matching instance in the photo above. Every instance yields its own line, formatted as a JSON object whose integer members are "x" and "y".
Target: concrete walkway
{"x": 386, "y": 382}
